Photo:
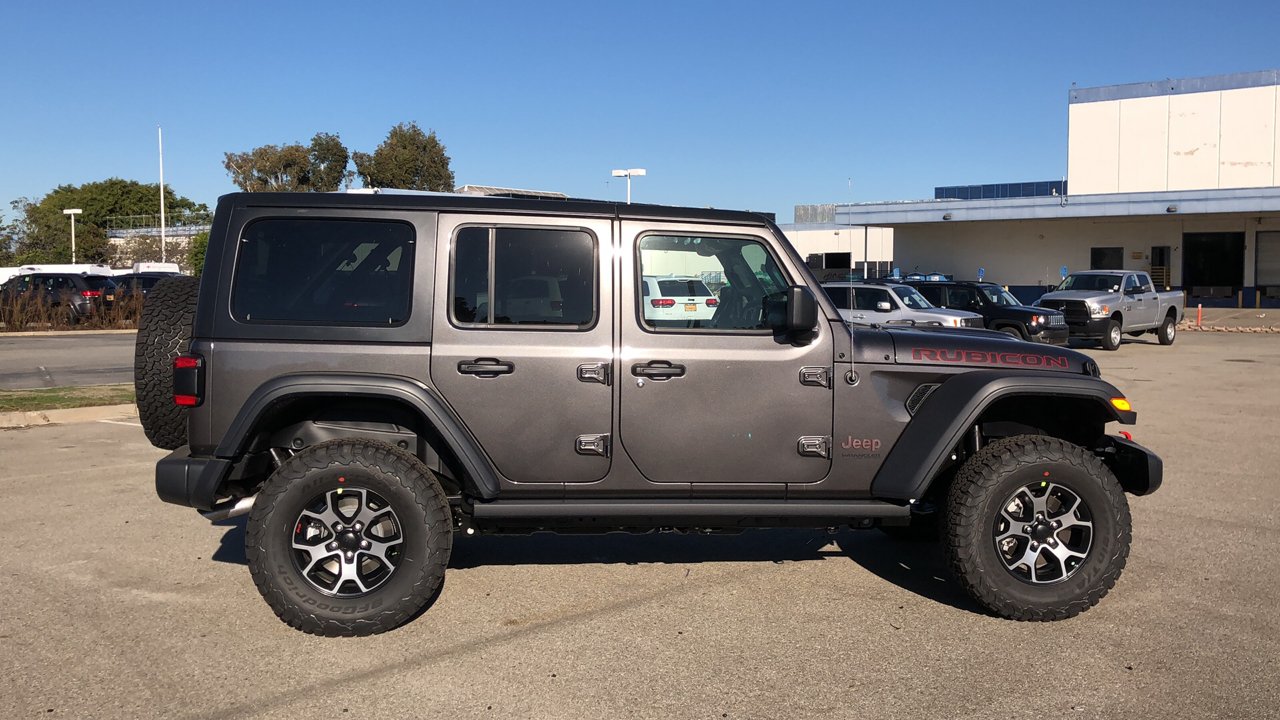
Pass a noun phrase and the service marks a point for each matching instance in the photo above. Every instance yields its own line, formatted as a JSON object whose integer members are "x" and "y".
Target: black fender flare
{"x": 423, "y": 399}
{"x": 940, "y": 423}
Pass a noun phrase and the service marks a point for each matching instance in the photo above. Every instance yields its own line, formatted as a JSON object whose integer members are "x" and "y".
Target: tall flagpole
{"x": 160, "y": 139}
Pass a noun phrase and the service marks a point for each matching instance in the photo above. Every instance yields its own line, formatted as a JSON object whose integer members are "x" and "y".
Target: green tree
{"x": 43, "y": 233}
{"x": 196, "y": 252}
{"x": 408, "y": 159}
{"x": 322, "y": 167}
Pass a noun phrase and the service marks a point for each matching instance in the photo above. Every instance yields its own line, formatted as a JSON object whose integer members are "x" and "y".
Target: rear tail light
{"x": 712, "y": 302}
{"x": 662, "y": 302}
{"x": 91, "y": 293}
{"x": 188, "y": 380}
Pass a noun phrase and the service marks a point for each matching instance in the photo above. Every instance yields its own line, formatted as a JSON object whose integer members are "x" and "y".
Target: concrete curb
{"x": 65, "y": 333}
{"x": 68, "y": 416}
{"x": 1258, "y": 330}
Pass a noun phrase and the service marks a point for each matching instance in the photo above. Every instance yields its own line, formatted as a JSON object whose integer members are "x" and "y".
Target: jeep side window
{"x": 324, "y": 271}
{"x": 932, "y": 293}
{"x": 750, "y": 283}
{"x": 524, "y": 276}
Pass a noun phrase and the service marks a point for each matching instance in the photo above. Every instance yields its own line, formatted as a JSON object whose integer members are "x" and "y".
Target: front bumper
{"x": 1093, "y": 328}
{"x": 1053, "y": 334}
{"x": 1139, "y": 470}
{"x": 191, "y": 481}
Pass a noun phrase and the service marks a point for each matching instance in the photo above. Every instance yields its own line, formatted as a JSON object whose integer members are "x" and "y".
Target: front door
{"x": 522, "y": 341}
{"x": 718, "y": 397}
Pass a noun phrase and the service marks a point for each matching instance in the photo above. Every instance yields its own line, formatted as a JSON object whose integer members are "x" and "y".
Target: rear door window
{"x": 524, "y": 276}
{"x": 324, "y": 272}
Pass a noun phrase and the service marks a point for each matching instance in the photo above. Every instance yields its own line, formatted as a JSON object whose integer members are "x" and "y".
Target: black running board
{"x": 686, "y": 512}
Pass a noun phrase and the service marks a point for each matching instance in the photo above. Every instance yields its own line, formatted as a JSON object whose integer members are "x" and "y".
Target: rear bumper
{"x": 191, "y": 481}
{"x": 1139, "y": 470}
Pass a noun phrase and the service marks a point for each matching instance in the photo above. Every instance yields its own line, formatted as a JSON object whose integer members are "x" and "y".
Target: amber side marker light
{"x": 1121, "y": 404}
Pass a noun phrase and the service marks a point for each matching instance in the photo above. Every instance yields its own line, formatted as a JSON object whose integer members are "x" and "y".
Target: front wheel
{"x": 349, "y": 538}
{"x": 1036, "y": 528}
{"x": 1168, "y": 330}
{"x": 1111, "y": 338}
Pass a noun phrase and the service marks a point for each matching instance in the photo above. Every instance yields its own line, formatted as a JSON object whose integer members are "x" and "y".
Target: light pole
{"x": 73, "y": 212}
{"x": 628, "y": 174}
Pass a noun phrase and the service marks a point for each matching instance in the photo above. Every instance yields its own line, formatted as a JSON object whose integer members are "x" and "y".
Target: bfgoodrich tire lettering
{"x": 164, "y": 332}
{"x": 974, "y": 506}
{"x": 327, "y": 470}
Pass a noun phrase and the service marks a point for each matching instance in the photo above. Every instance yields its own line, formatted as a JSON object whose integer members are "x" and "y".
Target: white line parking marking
{"x": 120, "y": 422}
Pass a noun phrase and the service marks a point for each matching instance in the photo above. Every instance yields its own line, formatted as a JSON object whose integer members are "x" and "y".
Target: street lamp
{"x": 73, "y": 212}
{"x": 628, "y": 174}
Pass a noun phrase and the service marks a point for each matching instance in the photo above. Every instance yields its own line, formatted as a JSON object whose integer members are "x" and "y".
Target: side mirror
{"x": 798, "y": 312}
{"x": 883, "y": 306}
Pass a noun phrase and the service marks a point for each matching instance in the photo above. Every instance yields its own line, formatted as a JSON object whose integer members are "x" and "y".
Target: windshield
{"x": 911, "y": 298}
{"x": 999, "y": 296}
{"x": 1091, "y": 282}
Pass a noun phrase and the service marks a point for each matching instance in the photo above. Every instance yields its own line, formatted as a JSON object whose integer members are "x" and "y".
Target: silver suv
{"x": 867, "y": 303}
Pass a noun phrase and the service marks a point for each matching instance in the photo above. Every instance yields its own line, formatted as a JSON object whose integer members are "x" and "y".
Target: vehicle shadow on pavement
{"x": 913, "y": 565}
{"x": 917, "y": 567}
{"x": 637, "y": 548}
{"x": 231, "y": 548}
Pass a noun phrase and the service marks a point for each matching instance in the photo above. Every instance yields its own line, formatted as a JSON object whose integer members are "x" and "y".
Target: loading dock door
{"x": 1213, "y": 263}
{"x": 1268, "y": 274}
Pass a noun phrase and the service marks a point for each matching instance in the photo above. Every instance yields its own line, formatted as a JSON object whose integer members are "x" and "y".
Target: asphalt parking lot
{"x": 65, "y": 359}
{"x": 122, "y": 606}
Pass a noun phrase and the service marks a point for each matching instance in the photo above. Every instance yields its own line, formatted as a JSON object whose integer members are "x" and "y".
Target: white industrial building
{"x": 1177, "y": 177}
{"x": 836, "y": 251}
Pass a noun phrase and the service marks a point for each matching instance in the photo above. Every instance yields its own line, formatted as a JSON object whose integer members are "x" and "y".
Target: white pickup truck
{"x": 1103, "y": 304}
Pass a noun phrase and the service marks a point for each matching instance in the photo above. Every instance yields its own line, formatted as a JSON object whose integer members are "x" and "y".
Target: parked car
{"x": 1103, "y": 304}
{"x": 999, "y": 309}
{"x": 359, "y": 444}
{"x": 885, "y": 303}
{"x": 680, "y": 299}
{"x": 80, "y": 296}
{"x": 131, "y": 284}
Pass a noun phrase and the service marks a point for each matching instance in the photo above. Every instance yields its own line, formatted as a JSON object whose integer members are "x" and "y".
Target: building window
{"x": 1106, "y": 258}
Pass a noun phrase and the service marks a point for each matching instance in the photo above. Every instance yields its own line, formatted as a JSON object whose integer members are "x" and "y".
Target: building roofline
{"x": 1178, "y": 203}
{"x": 1179, "y": 86}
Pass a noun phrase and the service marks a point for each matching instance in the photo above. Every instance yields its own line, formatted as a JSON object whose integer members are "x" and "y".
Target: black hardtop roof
{"x": 530, "y": 206}
{"x": 954, "y": 282}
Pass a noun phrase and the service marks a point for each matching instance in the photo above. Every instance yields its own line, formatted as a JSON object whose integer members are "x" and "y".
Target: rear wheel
{"x": 164, "y": 332}
{"x": 349, "y": 538}
{"x": 1168, "y": 330}
{"x": 1111, "y": 338}
{"x": 1036, "y": 528}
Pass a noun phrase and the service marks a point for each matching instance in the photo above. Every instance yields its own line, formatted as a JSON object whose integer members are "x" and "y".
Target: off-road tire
{"x": 973, "y": 502}
{"x": 164, "y": 332}
{"x": 1168, "y": 331}
{"x": 1111, "y": 338}
{"x": 414, "y": 495}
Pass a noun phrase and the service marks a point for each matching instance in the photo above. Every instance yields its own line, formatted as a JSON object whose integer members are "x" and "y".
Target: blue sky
{"x": 740, "y": 105}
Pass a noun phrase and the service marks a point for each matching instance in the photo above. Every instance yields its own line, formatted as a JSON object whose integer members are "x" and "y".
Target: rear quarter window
{"x": 324, "y": 272}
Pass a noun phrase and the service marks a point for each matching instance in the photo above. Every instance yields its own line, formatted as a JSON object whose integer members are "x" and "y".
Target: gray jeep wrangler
{"x": 366, "y": 375}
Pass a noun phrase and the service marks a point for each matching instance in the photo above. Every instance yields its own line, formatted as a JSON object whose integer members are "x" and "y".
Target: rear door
{"x": 725, "y": 401}
{"x": 522, "y": 341}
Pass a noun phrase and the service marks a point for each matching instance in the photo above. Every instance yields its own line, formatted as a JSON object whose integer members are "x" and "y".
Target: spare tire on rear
{"x": 164, "y": 332}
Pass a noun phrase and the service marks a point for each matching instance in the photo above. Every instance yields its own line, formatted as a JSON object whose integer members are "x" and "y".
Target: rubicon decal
{"x": 982, "y": 357}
